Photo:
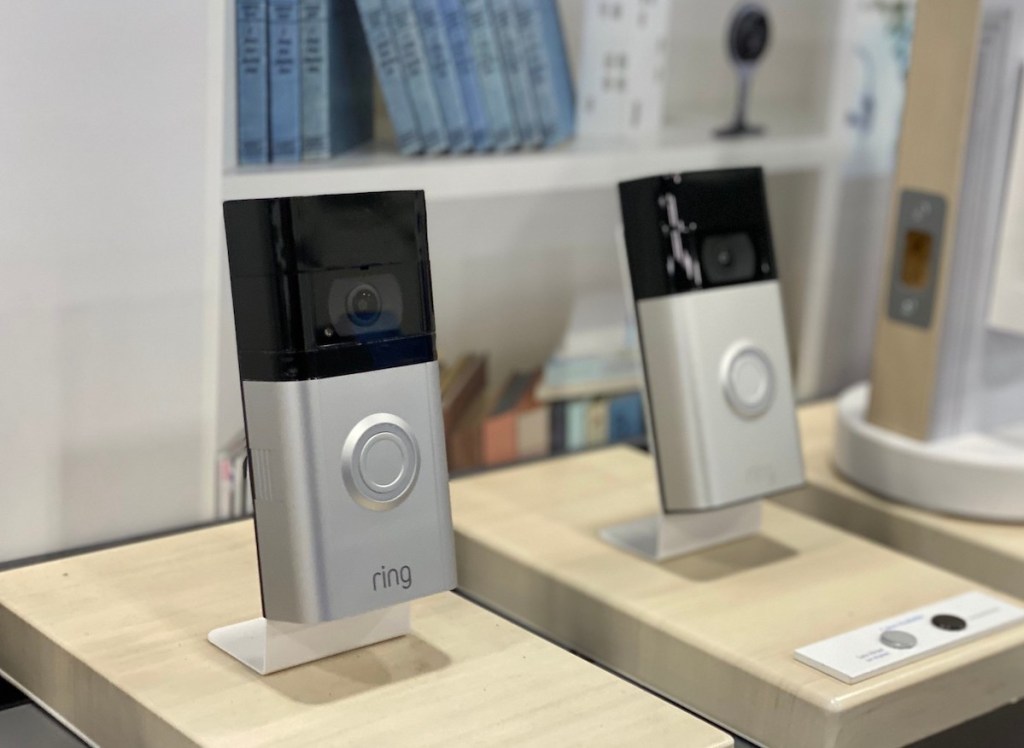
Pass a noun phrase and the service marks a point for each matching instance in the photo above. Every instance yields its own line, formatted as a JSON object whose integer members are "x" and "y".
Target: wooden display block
{"x": 990, "y": 552}
{"x": 716, "y": 631}
{"x": 114, "y": 643}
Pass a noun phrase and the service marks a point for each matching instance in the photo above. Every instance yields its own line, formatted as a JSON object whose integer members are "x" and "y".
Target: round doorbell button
{"x": 748, "y": 380}
{"x": 380, "y": 461}
{"x": 383, "y": 461}
{"x": 896, "y": 639}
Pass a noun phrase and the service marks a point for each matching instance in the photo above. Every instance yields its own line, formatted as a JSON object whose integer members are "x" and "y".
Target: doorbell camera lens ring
{"x": 363, "y": 305}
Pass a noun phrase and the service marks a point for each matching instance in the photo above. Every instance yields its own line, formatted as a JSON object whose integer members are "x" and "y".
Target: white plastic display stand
{"x": 268, "y": 646}
{"x": 974, "y": 475}
{"x": 663, "y": 536}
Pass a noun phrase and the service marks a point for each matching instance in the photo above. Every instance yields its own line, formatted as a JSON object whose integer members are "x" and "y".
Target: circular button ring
{"x": 380, "y": 462}
{"x": 748, "y": 379}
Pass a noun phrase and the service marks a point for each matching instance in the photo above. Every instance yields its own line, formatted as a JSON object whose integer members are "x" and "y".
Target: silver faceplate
{"x": 325, "y": 552}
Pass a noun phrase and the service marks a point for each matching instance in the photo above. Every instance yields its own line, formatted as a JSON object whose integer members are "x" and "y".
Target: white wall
{"x": 103, "y": 202}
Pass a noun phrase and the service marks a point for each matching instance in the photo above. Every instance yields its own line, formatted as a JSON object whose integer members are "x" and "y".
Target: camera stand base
{"x": 738, "y": 130}
{"x": 660, "y": 537}
{"x": 269, "y": 646}
{"x": 974, "y": 475}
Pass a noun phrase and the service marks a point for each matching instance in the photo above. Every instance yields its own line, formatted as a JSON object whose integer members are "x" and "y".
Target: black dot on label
{"x": 948, "y": 622}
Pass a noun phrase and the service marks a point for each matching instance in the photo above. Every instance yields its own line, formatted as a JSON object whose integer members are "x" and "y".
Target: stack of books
{"x": 587, "y": 395}
{"x": 520, "y": 426}
{"x": 455, "y": 75}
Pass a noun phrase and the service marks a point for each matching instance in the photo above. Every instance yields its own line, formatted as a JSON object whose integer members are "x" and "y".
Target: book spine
{"x": 285, "y": 83}
{"x": 351, "y": 79}
{"x": 548, "y": 67}
{"x": 446, "y": 80}
{"x": 313, "y": 41}
{"x": 576, "y": 424}
{"x": 253, "y": 96}
{"x": 457, "y": 31}
{"x": 625, "y": 418}
{"x": 558, "y": 427}
{"x": 554, "y": 80}
{"x": 513, "y": 56}
{"x": 384, "y": 53}
{"x": 418, "y": 80}
{"x": 597, "y": 423}
{"x": 492, "y": 77}
{"x": 602, "y": 76}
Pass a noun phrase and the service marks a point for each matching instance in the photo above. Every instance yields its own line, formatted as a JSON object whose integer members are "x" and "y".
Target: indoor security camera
{"x": 749, "y": 33}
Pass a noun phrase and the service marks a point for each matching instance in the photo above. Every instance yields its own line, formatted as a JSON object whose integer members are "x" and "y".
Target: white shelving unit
{"x": 514, "y": 236}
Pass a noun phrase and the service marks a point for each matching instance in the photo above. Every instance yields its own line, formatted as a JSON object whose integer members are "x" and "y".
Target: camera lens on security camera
{"x": 728, "y": 258}
{"x": 363, "y": 305}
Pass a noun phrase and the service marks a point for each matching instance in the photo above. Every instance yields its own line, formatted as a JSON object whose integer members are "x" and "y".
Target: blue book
{"x": 446, "y": 80}
{"x": 418, "y": 81}
{"x": 384, "y": 53}
{"x": 625, "y": 417}
{"x": 549, "y": 68}
{"x": 497, "y": 100}
{"x": 285, "y": 82}
{"x": 517, "y": 73}
{"x": 253, "y": 97}
{"x": 313, "y": 42}
{"x": 337, "y": 89}
{"x": 457, "y": 30}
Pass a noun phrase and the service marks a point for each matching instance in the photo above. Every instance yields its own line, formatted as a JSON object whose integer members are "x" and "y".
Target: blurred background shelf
{"x": 123, "y": 301}
{"x": 579, "y": 165}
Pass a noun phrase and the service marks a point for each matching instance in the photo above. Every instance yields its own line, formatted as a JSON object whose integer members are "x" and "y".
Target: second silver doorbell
{"x": 720, "y": 408}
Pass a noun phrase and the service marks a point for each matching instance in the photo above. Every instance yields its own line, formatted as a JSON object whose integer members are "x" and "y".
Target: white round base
{"x": 980, "y": 476}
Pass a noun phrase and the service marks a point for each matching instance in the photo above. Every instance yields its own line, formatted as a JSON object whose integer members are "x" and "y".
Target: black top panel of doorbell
{"x": 705, "y": 229}
{"x": 329, "y": 285}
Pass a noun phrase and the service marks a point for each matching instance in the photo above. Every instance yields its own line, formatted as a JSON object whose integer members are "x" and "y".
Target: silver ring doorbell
{"x": 335, "y": 333}
{"x": 719, "y": 400}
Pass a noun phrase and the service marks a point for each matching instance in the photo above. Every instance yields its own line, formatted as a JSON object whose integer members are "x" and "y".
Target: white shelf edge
{"x": 571, "y": 168}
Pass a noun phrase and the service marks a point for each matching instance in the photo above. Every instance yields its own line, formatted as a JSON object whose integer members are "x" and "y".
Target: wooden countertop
{"x": 716, "y": 630}
{"x": 115, "y": 643}
{"x": 990, "y": 552}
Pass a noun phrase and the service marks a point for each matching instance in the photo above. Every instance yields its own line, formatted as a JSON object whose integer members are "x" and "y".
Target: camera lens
{"x": 749, "y": 34}
{"x": 728, "y": 258}
{"x": 948, "y": 622}
{"x": 363, "y": 305}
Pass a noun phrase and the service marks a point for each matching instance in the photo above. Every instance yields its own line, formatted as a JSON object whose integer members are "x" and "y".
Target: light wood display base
{"x": 990, "y": 552}
{"x": 115, "y": 644}
{"x": 716, "y": 631}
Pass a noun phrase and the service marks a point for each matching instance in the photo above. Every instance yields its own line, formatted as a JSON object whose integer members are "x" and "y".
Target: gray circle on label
{"x": 897, "y": 639}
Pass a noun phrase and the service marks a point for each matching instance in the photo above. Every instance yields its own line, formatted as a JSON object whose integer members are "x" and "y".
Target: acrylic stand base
{"x": 975, "y": 475}
{"x": 663, "y": 536}
{"x": 738, "y": 130}
{"x": 268, "y": 646}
